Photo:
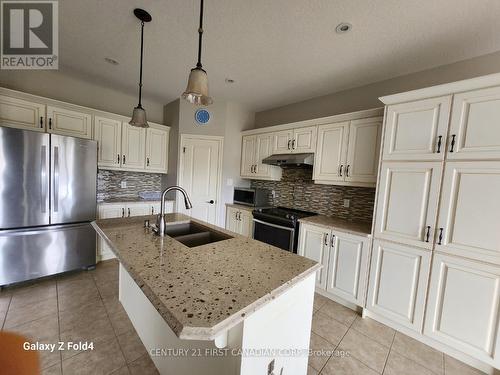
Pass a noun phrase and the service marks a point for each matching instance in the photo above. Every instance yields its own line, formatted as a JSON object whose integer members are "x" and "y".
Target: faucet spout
{"x": 161, "y": 219}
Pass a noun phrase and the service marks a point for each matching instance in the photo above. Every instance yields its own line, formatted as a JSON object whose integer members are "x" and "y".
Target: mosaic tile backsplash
{"x": 108, "y": 184}
{"x": 297, "y": 190}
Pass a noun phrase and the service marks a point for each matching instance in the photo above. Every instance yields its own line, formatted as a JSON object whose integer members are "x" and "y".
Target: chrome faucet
{"x": 161, "y": 219}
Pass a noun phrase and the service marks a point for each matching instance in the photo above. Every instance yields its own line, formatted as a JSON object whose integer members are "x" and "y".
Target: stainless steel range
{"x": 47, "y": 200}
{"x": 278, "y": 226}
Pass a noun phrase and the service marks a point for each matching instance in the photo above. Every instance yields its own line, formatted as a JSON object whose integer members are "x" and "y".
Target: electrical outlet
{"x": 347, "y": 203}
{"x": 229, "y": 182}
{"x": 273, "y": 194}
{"x": 123, "y": 184}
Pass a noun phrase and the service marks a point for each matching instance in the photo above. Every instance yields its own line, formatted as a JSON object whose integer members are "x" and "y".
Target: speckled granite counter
{"x": 243, "y": 207}
{"x": 357, "y": 228}
{"x": 205, "y": 290}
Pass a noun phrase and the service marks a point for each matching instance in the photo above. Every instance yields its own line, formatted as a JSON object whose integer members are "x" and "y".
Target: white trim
{"x": 444, "y": 89}
{"x": 220, "y": 139}
{"x": 374, "y": 112}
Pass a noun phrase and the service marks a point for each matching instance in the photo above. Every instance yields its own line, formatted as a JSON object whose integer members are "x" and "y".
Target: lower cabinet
{"x": 463, "y": 307}
{"x": 398, "y": 283}
{"x": 239, "y": 221}
{"x": 344, "y": 258}
{"x": 125, "y": 209}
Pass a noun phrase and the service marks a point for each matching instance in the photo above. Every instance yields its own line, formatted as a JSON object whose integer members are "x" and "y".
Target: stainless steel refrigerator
{"x": 47, "y": 201}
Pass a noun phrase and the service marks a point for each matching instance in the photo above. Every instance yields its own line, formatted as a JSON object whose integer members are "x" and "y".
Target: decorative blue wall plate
{"x": 202, "y": 116}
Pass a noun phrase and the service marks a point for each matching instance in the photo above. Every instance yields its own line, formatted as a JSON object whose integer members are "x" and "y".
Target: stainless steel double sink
{"x": 193, "y": 234}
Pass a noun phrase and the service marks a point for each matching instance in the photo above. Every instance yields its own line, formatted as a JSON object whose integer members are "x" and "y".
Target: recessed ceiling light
{"x": 229, "y": 80}
{"x": 343, "y": 27}
{"x": 111, "y": 61}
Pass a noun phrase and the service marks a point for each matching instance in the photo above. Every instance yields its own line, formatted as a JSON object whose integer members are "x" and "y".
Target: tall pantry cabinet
{"x": 435, "y": 265}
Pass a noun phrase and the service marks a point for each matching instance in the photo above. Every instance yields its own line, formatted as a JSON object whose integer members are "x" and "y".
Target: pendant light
{"x": 197, "y": 87}
{"x": 139, "y": 114}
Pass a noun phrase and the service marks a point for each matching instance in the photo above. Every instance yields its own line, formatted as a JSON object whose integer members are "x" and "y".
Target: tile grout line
{"x": 7, "y": 311}
{"x": 58, "y": 323}
{"x": 113, "y": 328}
{"x": 336, "y": 347}
{"x": 389, "y": 353}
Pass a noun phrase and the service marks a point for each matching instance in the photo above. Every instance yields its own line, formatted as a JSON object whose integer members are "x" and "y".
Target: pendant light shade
{"x": 139, "y": 114}
{"x": 197, "y": 87}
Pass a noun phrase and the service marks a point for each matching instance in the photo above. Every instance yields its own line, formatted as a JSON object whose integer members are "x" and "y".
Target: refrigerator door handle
{"x": 56, "y": 179}
{"x": 43, "y": 179}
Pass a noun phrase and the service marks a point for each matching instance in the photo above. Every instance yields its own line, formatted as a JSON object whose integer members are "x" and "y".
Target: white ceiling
{"x": 277, "y": 51}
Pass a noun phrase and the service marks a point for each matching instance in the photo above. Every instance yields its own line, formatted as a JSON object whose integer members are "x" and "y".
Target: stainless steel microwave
{"x": 251, "y": 196}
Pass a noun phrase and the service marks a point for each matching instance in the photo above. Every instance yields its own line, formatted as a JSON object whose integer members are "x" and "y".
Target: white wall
{"x": 228, "y": 120}
{"x": 366, "y": 97}
{"x": 76, "y": 89}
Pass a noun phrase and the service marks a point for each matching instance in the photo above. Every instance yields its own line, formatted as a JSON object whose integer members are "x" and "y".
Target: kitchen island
{"x": 231, "y": 306}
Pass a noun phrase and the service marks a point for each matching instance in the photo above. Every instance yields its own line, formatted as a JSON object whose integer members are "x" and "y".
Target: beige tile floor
{"x": 84, "y": 306}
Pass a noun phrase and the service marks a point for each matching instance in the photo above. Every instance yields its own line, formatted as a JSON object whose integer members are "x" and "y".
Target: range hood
{"x": 290, "y": 160}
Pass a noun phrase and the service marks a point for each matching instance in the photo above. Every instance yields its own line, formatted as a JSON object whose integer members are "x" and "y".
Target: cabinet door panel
{"x": 263, "y": 149}
{"x": 313, "y": 244}
{"x": 133, "y": 141}
{"x": 232, "y": 222}
{"x": 68, "y": 122}
{"x": 331, "y": 152}
{"x": 246, "y": 223}
{"x": 475, "y": 124}
{"x": 363, "y": 150}
{"x": 407, "y": 202}
{"x": 398, "y": 282}
{"x": 137, "y": 209}
{"x": 282, "y": 143}
{"x": 247, "y": 155}
{"x": 470, "y": 210}
{"x": 22, "y": 114}
{"x": 304, "y": 139}
{"x": 157, "y": 138}
{"x": 413, "y": 129}
{"x": 348, "y": 267}
{"x": 463, "y": 307}
{"x": 108, "y": 134}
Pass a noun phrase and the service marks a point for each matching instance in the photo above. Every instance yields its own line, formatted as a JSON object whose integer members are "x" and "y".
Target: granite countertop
{"x": 202, "y": 291}
{"x": 351, "y": 227}
{"x": 243, "y": 207}
{"x": 131, "y": 200}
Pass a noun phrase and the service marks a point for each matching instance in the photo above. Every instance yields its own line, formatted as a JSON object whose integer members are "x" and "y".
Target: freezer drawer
{"x": 27, "y": 254}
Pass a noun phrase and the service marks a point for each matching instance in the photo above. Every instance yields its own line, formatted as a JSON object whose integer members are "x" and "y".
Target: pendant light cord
{"x": 200, "y": 34}
{"x": 140, "y": 74}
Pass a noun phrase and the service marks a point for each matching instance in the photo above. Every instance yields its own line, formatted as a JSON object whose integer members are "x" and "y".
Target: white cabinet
{"x": 313, "y": 244}
{"x": 157, "y": 138}
{"x": 331, "y": 152}
{"x": 469, "y": 214}
{"x": 398, "y": 282}
{"x": 22, "y": 114}
{"x": 70, "y": 122}
{"x": 108, "y": 134}
{"x": 239, "y": 221}
{"x": 348, "y": 266}
{"x": 417, "y": 130}
{"x": 133, "y": 144}
{"x": 347, "y": 152}
{"x": 299, "y": 140}
{"x": 254, "y": 149}
{"x": 463, "y": 307}
{"x": 407, "y": 202}
{"x": 474, "y": 128}
{"x": 363, "y": 150}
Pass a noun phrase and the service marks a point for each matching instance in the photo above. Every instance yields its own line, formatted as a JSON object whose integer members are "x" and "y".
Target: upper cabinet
{"x": 347, "y": 152}
{"x": 22, "y": 114}
{"x": 254, "y": 149}
{"x": 300, "y": 140}
{"x": 108, "y": 133}
{"x": 157, "y": 139}
{"x": 474, "y": 128}
{"x": 69, "y": 122}
{"x": 133, "y": 147}
{"x": 417, "y": 130}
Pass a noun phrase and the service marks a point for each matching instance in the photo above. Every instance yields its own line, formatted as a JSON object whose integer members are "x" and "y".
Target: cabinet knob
{"x": 211, "y": 201}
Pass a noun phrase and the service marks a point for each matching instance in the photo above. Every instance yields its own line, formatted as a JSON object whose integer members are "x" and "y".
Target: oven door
{"x": 273, "y": 234}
